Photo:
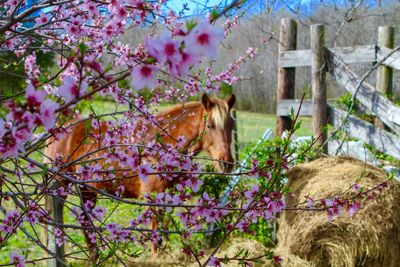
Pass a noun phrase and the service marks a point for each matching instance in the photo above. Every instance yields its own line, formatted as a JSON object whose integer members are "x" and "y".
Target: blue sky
{"x": 257, "y": 6}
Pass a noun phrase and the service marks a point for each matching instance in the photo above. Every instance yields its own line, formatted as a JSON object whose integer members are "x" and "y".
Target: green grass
{"x": 250, "y": 126}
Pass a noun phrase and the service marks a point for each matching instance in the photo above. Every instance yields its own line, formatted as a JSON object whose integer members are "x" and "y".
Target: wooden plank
{"x": 296, "y": 58}
{"x": 392, "y": 61}
{"x": 235, "y": 137}
{"x": 384, "y": 75}
{"x": 367, "y": 95}
{"x": 350, "y": 55}
{"x": 382, "y": 140}
{"x": 284, "y": 107}
{"x": 318, "y": 83}
{"x": 286, "y": 76}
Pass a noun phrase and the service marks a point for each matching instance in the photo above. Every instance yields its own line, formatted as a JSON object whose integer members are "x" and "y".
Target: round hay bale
{"x": 368, "y": 238}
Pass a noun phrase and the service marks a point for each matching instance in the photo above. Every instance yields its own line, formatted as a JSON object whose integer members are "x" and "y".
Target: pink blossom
{"x": 353, "y": 208}
{"x": 144, "y": 170}
{"x": 42, "y": 19}
{"x": 113, "y": 229}
{"x": 205, "y": 38}
{"x": 92, "y": 237}
{"x": 3, "y": 128}
{"x": 214, "y": 261}
{"x": 189, "y": 57}
{"x": 250, "y": 194}
{"x": 31, "y": 68}
{"x": 69, "y": 90}
{"x": 121, "y": 12}
{"x": 13, "y": 3}
{"x": 187, "y": 164}
{"x": 179, "y": 187}
{"x": 34, "y": 97}
{"x": 30, "y": 165}
{"x": 206, "y": 197}
{"x": 89, "y": 205}
{"x": 91, "y": 7}
{"x": 164, "y": 48}
{"x": 75, "y": 27}
{"x": 143, "y": 76}
{"x": 120, "y": 190}
{"x": 193, "y": 183}
{"x": 155, "y": 237}
{"x": 47, "y": 113}
{"x": 34, "y": 213}
{"x": 277, "y": 259}
{"x": 99, "y": 212}
{"x": 11, "y": 222}
{"x": 60, "y": 237}
{"x": 17, "y": 259}
{"x": 356, "y": 187}
{"x": 12, "y": 143}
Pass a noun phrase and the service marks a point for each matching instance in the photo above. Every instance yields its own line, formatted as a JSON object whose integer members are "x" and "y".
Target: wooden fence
{"x": 383, "y": 135}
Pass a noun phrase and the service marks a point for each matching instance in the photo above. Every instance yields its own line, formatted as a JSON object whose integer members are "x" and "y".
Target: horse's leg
{"x": 154, "y": 227}
{"x": 159, "y": 217}
{"x": 92, "y": 247}
{"x": 55, "y": 204}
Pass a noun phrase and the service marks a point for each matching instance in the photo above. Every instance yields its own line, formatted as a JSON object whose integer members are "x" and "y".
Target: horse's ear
{"x": 206, "y": 101}
{"x": 231, "y": 101}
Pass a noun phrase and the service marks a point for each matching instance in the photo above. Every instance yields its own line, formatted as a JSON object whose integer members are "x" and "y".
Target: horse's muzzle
{"x": 225, "y": 166}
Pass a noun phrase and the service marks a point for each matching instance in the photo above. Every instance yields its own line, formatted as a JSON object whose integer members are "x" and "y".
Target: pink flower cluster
{"x": 16, "y": 259}
{"x": 178, "y": 52}
{"x": 22, "y": 119}
{"x": 60, "y": 237}
{"x": 228, "y": 76}
{"x": 34, "y": 213}
{"x": 115, "y": 233}
{"x": 11, "y": 222}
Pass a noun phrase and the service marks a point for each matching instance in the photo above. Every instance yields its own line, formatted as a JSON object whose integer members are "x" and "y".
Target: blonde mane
{"x": 219, "y": 113}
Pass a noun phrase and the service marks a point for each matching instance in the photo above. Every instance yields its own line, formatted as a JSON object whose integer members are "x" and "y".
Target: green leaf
{"x": 190, "y": 24}
{"x": 214, "y": 14}
{"x": 82, "y": 48}
{"x": 45, "y": 170}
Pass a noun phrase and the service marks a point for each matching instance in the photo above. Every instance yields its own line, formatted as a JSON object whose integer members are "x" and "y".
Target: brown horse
{"x": 206, "y": 125}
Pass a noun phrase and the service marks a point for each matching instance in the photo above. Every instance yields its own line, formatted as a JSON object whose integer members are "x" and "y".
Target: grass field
{"x": 250, "y": 126}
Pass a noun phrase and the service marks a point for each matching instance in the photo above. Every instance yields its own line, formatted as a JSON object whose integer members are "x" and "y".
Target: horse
{"x": 205, "y": 125}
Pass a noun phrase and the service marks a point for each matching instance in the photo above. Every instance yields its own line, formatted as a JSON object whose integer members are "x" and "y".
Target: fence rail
{"x": 353, "y": 54}
{"x": 370, "y": 98}
{"x": 334, "y": 61}
{"x": 382, "y": 140}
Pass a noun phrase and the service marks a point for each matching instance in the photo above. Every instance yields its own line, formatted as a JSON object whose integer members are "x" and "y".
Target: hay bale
{"x": 368, "y": 238}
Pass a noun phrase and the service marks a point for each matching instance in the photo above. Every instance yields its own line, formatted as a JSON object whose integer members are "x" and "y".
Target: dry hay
{"x": 175, "y": 257}
{"x": 368, "y": 238}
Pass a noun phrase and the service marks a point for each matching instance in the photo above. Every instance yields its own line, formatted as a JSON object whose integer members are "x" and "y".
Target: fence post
{"x": 55, "y": 205}
{"x": 286, "y": 76}
{"x": 318, "y": 76}
{"x": 235, "y": 137}
{"x": 384, "y": 75}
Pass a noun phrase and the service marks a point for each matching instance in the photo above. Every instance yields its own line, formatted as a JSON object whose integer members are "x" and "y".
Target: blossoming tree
{"x": 91, "y": 62}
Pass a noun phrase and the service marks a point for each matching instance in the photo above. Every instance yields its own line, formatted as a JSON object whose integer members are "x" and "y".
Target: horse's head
{"x": 218, "y": 127}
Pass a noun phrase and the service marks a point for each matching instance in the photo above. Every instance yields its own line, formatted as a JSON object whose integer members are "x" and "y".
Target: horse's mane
{"x": 178, "y": 108}
{"x": 220, "y": 111}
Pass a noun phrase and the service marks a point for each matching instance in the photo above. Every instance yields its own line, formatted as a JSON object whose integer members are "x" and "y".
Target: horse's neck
{"x": 186, "y": 120}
